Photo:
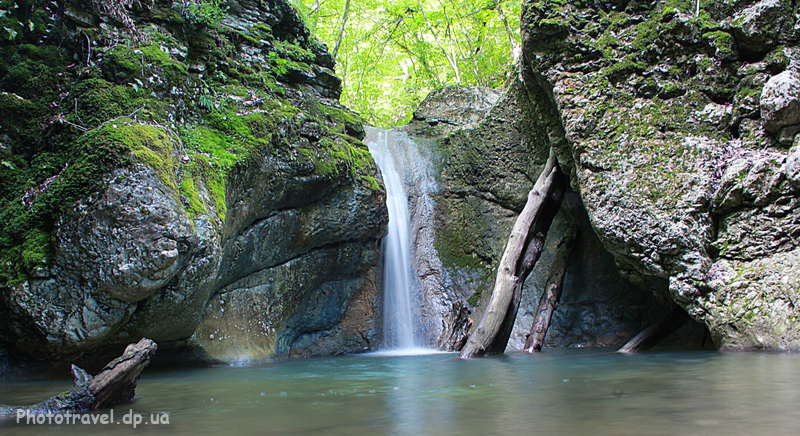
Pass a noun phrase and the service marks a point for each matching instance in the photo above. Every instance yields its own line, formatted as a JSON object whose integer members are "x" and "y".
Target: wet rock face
{"x": 294, "y": 308}
{"x": 675, "y": 132}
{"x": 293, "y": 265}
{"x": 482, "y": 172}
{"x": 275, "y": 255}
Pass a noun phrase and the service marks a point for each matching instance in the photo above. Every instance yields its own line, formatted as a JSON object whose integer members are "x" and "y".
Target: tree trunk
{"x": 339, "y": 38}
{"x": 115, "y": 384}
{"x": 515, "y": 51}
{"x": 522, "y": 251}
{"x": 654, "y": 334}
{"x": 551, "y": 295}
{"x": 451, "y": 58}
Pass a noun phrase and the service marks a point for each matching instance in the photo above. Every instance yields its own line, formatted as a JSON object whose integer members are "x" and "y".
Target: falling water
{"x": 398, "y": 327}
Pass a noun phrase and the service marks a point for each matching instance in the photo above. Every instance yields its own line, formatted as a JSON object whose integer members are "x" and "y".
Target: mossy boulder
{"x": 689, "y": 183}
{"x": 144, "y": 151}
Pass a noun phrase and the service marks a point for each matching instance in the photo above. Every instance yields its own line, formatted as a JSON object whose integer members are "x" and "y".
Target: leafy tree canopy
{"x": 391, "y": 53}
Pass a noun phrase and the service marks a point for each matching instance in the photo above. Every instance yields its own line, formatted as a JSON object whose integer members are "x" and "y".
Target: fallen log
{"x": 551, "y": 295}
{"x": 651, "y": 336}
{"x": 115, "y": 384}
{"x": 521, "y": 254}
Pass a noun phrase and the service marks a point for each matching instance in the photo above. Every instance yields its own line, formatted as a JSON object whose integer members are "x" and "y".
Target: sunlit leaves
{"x": 394, "y": 52}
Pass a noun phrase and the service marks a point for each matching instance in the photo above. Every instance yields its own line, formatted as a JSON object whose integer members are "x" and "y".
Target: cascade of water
{"x": 398, "y": 279}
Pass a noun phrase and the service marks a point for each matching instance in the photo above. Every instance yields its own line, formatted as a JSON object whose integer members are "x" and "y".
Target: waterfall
{"x": 398, "y": 280}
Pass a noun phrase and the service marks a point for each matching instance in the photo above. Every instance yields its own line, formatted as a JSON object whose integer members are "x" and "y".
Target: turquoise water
{"x": 570, "y": 392}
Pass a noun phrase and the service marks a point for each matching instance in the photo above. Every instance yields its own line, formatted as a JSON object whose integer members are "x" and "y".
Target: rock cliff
{"x": 678, "y": 126}
{"x": 487, "y": 148}
{"x": 181, "y": 172}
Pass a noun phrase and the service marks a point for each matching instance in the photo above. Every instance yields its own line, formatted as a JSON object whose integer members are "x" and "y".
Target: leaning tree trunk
{"x": 115, "y": 384}
{"x": 551, "y": 295}
{"x": 649, "y": 337}
{"x": 522, "y": 251}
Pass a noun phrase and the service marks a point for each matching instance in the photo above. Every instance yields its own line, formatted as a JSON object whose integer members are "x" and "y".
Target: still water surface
{"x": 571, "y": 392}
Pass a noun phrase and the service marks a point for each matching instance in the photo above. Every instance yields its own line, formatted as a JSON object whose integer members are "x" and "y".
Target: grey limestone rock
{"x": 780, "y": 101}
{"x": 486, "y": 169}
{"x": 706, "y": 203}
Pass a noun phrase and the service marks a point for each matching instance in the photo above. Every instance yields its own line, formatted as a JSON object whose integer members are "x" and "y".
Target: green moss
{"x": 325, "y": 168}
{"x": 343, "y": 121}
{"x": 262, "y": 81}
{"x": 704, "y": 63}
{"x": 149, "y": 145}
{"x": 647, "y": 33}
{"x": 71, "y": 126}
{"x": 671, "y": 90}
{"x": 622, "y": 69}
{"x": 97, "y": 100}
{"x": 263, "y": 31}
{"x": 35, "y": 249}
{"x": 216, "y": 188}
{"x": 239, "y": 36}
{"x": 194, "y": 206}
{"x": 31, "y": 78}
{"x": 745, "y": 93}
{"x": 126, "y": 64}
{"x": 476, "y": 296}
{"x": 722, "y": 42}
{"x": 777, "y": 61}
{"x": 229, "y": 137}
{"x": 201, "y": 171}
{"x": 607, "y": 43}
{"x": 293, "y": 52}
{"x": 79, "y": 172}
{"x": 461, "y": 234}
{"x": 22, "y": 118}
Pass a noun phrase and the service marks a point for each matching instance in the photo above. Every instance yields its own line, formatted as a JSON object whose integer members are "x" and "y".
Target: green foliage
{"x": 204, "y": 12}
{"x": 393, "y": 53}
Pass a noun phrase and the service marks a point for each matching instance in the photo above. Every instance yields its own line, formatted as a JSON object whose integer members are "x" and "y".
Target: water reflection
{"x": 572, "y": 392}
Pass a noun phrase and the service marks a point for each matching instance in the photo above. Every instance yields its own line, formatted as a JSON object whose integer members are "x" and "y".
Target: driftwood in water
{"x": 649, "y": 337}
{"x": 115, "y": 384}
{"x": 551, "y": 295}
{"x": 522, "y": 251}
{"x": 455, "y": 327}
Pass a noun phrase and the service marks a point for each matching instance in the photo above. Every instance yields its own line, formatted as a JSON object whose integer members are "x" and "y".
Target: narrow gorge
{"x": 189, "y": 172}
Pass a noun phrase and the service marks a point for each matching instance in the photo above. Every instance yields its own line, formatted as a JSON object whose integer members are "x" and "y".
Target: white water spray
{"x": 398, "y": 328}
